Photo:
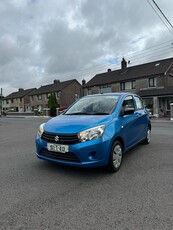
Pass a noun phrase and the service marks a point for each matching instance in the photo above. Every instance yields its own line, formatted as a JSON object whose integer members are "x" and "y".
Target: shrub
{"x": 52, "y": 104}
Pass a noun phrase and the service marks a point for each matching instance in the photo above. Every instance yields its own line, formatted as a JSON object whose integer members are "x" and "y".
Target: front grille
{"x": 67, "y": 139}
{"x": 68, "y": 156}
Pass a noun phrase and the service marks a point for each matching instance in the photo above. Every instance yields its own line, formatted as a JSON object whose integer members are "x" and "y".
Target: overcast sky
{"x": 43, "y": 40}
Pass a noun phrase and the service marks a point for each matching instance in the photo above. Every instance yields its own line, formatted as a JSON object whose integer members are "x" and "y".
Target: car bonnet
{"x": 75, "y": 123}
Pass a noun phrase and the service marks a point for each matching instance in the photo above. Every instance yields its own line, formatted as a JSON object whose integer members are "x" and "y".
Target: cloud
{"x": 44, "y": 40}
{"x": 68, "y": 49}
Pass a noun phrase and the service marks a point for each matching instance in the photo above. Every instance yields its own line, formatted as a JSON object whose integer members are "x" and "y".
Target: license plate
{"x": 57, "y": 148}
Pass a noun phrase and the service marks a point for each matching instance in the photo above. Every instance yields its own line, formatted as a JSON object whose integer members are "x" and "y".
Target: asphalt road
{"x": 35, "y": 194}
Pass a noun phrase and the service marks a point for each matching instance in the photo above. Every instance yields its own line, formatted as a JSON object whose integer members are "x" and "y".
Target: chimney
{"x": 109, "y": 70}
{"x": 56, "y": 81}
{"x": 20, "y": 89}
{"x": 123, "y": 64}
{"x": 83, "y": 82}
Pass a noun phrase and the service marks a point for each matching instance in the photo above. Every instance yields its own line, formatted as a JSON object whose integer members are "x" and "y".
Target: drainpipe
{"x": 171, "y": 107}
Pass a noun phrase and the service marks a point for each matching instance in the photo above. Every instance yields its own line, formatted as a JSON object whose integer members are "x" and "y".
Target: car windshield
{"x": 94, "y": 105}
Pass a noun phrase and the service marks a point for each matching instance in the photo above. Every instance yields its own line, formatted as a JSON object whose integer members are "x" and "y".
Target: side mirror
{"x": 127, "y": 111}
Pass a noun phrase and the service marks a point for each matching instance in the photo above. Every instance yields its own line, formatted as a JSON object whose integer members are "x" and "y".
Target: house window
{"x": 105, "y": 88}
{"x": 20, "y": 99}
{"x": 128, "y": 85}
{"x": 39, "y": 97}
{"x": 7, "y": 102}
{"x": 152, "y": 82}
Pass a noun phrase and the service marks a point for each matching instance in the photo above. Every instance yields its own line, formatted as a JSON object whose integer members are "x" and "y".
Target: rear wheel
{"x": 115, "y": 158}
{"x": 148, "y": 137}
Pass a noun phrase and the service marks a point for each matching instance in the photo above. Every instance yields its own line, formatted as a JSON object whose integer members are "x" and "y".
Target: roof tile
{"x": 148, "y": 69}
{"x": 19, "y": 94}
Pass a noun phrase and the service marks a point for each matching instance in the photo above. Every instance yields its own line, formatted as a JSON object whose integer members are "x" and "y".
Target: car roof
{"x": 112, "y": 94}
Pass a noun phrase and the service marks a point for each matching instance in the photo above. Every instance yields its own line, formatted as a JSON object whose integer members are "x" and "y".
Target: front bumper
{"x": 93, "y": 153}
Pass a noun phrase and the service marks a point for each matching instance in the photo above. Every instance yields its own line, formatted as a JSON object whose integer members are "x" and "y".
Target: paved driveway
{"x": 35, "y": 194}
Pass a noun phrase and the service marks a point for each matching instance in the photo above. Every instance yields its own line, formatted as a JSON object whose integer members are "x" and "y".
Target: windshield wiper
{"x": 100, "y": 113}
{"x": 82, "y": 113}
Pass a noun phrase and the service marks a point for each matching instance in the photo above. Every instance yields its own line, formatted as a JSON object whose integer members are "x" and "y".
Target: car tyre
{"x": 148, "y": 137}
{"x": 115, "y": 158}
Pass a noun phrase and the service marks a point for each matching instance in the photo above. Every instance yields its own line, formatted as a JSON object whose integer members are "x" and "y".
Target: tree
{"x": 52, "y": 104}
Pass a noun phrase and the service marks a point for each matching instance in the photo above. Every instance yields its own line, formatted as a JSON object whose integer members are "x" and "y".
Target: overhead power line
{"x": 147, "y": 54}
{"x": 161, "y": 51}
{"x": 152, "y": 53}
{"x": 162, "y": 16}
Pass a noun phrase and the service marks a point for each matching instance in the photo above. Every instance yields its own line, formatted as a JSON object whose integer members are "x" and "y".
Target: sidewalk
{"x": 18, "y": 116}
{"x": 161, "y": 119}
{"x": 153, "y": 119}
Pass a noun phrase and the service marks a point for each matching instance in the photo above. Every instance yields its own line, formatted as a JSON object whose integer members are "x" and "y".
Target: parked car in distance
{"x": 97, "y": 130}
{"x": 62, "y": 108}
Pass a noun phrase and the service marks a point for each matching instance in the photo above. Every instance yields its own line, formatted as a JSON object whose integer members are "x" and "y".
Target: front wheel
{"x": 115, "y": 158}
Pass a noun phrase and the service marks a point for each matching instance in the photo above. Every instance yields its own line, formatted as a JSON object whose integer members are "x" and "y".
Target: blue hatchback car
{"x": 95, "y": 131}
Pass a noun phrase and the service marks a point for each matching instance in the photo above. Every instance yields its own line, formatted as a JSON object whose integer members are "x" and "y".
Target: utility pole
{"x": 1, "y": 102}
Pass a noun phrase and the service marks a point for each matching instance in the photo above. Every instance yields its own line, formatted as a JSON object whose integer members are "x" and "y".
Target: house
{"x": 66, "y": 92}
{"x": 18, "y": 101}
{"x": 152, "y": 81}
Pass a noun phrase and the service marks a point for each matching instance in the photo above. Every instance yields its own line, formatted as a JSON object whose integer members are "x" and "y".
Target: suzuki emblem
{"x": 56, "y": 138}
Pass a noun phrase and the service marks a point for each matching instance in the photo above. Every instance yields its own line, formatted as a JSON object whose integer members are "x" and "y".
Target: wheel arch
{"x": 118, "y": 138}
{"x": 149, "y": 125}
{"x": 113, "y": 163}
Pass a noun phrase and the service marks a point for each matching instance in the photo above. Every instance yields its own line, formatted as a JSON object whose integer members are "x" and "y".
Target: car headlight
{"x": 41, "y": 130}
{"x": 91, "y": 134}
